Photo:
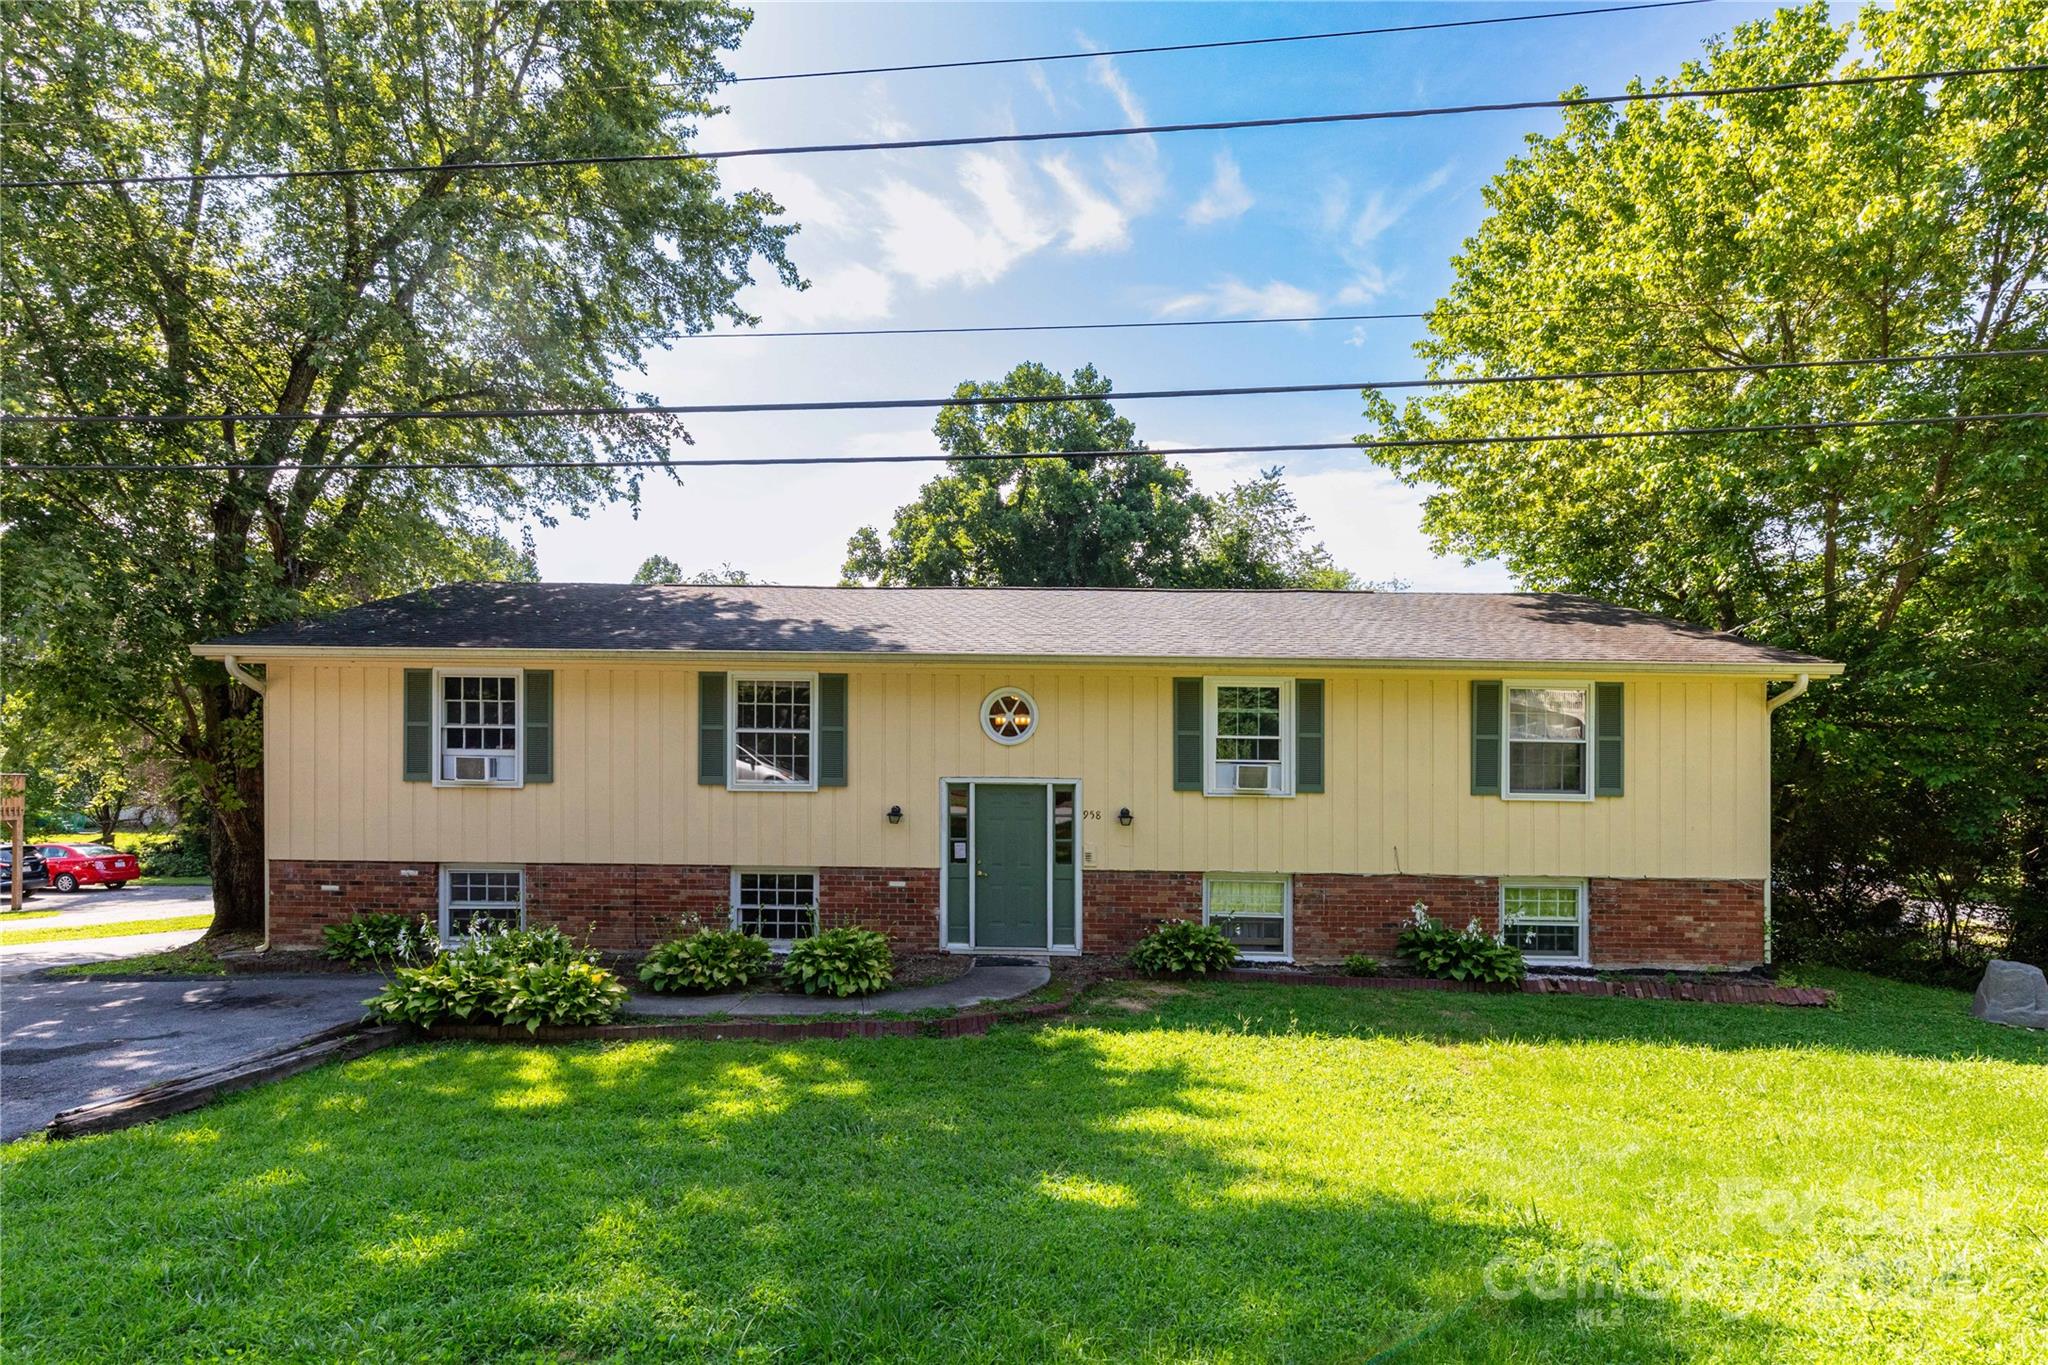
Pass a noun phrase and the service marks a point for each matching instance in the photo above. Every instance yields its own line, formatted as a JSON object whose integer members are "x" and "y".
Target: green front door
{"x": 1009, "y": 866}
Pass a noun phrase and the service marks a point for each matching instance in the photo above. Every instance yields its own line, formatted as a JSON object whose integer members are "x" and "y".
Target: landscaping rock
{"x": 2012, "y": 993}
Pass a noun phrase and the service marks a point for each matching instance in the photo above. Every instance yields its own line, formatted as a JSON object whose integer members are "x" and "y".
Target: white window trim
{"x": 1508, "y": 688}
{"x": 732, "y": 739}
{"x": 447, "y": 868}
{"x": 1009, "y": 741}
{"x": 1286, "y": 953}
{"x": 780, "y": 945}
{"x": 1583, "y": 957}
{"x": 439, "y": 714}
{"x": 1287, "y": 737}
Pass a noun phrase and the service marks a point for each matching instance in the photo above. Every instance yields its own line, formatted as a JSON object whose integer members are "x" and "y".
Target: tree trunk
{"x": 2029, "y": 940}
{"x": 234, "y": 853}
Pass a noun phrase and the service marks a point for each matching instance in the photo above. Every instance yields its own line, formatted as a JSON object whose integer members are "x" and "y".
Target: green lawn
{"x": 194, "y": 959}
{"x": 25, "y": 913}
{"x": 1228, "y": 1173}
{"x": 54, "y": 933}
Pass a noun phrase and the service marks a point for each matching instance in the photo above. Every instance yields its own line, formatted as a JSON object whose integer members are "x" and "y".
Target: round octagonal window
{"x": 1008, "y": 715}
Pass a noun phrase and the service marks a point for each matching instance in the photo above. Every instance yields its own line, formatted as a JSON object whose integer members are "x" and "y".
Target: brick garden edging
{"x": 971, "y": 1024}
{"x": 1699, "y": 992}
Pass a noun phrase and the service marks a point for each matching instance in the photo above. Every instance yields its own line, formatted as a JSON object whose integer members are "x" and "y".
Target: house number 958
{"x": 1091, "y": 815}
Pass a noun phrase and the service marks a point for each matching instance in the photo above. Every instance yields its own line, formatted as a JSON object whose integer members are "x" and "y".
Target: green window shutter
{"x": 1187, "y": 734}
{"x": 419, "y": 725}
{"x": 1607, "y": 739}
{"x": 540, "y": 725}
{"x": 1308, "y": 734}
{"x": 711, "y": 729}
{"x": 831, "y": 729}
{"x": 1485, "y": 738}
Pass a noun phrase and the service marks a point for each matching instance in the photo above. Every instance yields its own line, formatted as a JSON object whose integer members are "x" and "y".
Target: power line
{"x": 1048, "y": 327}
{"x": 1203, "y": 47}
{"x": 1282, "y": 447}
{"x": 995, "y": 139}
{"x": 979, "y": 400}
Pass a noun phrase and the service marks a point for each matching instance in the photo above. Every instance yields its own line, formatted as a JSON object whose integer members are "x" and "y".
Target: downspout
{"x": 241, "y": 674}
{"x": 1771, "y": 704}
{"x": 255, "y": 684}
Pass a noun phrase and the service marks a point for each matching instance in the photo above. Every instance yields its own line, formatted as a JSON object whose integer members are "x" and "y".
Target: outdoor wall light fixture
{"x": 1123, "y": 817}
{"x": 895, "y": 815}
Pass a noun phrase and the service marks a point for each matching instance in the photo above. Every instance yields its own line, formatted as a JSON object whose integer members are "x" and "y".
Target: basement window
{"x": 781, "y": 907}
{"x": 1253, "y": 912}
{"x": 1546, "y": 920}
{"x": 472, "y": 896}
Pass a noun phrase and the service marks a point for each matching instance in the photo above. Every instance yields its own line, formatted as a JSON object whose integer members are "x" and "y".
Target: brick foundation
{"x": 1651, "y": 922}
{"x": 1672, "y": 922}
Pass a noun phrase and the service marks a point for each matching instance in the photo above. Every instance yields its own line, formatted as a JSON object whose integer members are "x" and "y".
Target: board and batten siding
{"x": 1397, "y": 795}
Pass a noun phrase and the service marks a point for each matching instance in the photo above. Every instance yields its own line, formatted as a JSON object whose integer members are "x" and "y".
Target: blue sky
{"x": 1360, "y": 218}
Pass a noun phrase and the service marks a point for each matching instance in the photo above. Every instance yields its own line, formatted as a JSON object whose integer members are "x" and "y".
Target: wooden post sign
{"x": 13, "y": 812}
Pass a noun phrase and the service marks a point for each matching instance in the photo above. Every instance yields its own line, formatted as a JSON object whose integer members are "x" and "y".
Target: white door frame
{"x": 945, "y": 862}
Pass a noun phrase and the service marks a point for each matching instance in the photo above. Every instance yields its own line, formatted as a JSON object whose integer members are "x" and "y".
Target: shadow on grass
{"x": 1872, "y": 1016}
{"x": 1023, "y": 1197}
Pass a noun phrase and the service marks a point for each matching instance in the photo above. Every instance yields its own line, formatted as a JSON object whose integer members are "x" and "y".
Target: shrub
{"x": 380, "y": 937}
{"x": 179, "y": 853}
{"x": 1361, "y": 964}
{"x": 507, "y": 976}
{"x": 1183, "y": 948}
{"x": 1470, "y": 954}
{"x": 708, "y": 960}
{"x": 839, "y": 962}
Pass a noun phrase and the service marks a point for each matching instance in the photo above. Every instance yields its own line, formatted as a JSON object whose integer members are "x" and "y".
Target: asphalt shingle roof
{"x": 1073, "y": 623}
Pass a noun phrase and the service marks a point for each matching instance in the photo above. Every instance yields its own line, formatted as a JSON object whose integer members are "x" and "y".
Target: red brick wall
{"x": 299, "y": 909}
{"x": 1635, "y": 923}
{"x": 902, "y": 902}
{"x": 1119, "y": 908}
{"x": 1336, "y": 914}
{"x": 1672, "y": 922}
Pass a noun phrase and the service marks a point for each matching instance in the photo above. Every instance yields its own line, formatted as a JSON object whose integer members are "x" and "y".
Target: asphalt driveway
{"x": 69, "y": 1042}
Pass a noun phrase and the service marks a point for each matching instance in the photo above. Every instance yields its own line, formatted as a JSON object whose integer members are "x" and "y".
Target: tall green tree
{"x": 1004, "y": 515}
{"x": 662, "y": 569}
{"x": 1824, "y": 224}
{"x": 433, "y": 289}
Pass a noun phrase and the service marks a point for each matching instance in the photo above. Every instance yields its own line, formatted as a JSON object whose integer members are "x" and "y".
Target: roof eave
{"x": 1770, "y": 669}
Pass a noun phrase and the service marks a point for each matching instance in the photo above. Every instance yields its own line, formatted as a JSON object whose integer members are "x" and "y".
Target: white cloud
{"x": 1382, "y": 210}
{"x": 932, "y": 241}
{"x": 1093, "y": 223}
{"x": 1226, "y": 197}
{"x": 1370, "y": 284}
{"x": 1132, "y": 166}
{"x": 846, "y": 293}
{"x": 1233, "y": 297}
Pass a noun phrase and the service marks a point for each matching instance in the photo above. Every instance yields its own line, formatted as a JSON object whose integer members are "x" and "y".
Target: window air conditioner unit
{"x": 472, "y": 768}
{"x": 1254, "y": 777}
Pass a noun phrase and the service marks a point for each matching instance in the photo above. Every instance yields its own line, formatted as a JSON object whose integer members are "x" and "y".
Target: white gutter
{"x": 241, "y": 674}
{"x": 1796, "y": 690}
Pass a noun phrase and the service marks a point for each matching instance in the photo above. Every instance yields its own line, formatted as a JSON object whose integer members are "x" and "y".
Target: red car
{"x": 76, "y": 865}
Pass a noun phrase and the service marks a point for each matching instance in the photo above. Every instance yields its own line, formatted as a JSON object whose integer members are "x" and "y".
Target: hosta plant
{"x": 503, "y": 976}
{"x": 1470, "y": 954}
{"x": 839, "y": 962}
{"x": 1184, "y": 948}
{"x": 380, "y": 938}
{"x": 708, "y": 960}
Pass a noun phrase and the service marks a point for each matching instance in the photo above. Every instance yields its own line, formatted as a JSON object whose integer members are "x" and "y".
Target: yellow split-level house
{"x": 1025, "y": 770}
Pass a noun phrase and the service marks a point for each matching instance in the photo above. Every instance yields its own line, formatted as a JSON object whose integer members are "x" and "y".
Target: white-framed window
{"x": 1008, "y": 715}
{"x": 469, "y": 894}
{"x": 1248, "y": 736}
{"x": 477, "y": 730}
{"x": 1545, "y": 919}
{"x": 1254, "y": 912}
{"x": 773, "y": 720}
{"x": 777, "y": 904}
{"x": 1548, "y": 737}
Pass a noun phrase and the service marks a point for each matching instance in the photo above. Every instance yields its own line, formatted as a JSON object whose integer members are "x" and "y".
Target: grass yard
{"x": 194, "y": 959}
{"x": 54, "y": 933}
{"x": 1225, "y": 1172}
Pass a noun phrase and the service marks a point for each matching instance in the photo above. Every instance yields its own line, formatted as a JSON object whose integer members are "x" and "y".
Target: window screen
{"x": 1547, "y": 741}
{"x": 476, "y": 894}
{"x": 771, "y": 735}
{"x": 1543, "y": 921}
{"x": 1251, "y": 912}
{"x": 777, "y": 905}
